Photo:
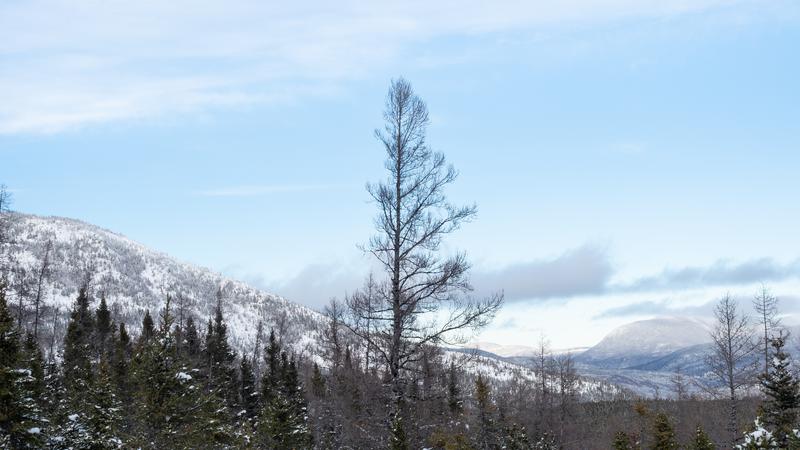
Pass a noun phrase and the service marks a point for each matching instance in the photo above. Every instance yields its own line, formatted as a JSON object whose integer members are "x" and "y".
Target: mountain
{"x": 641, "y": 342}
{"x": 135, "y": 279}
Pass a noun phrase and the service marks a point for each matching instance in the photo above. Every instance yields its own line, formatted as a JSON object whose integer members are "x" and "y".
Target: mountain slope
{"x": 134, "y": 279}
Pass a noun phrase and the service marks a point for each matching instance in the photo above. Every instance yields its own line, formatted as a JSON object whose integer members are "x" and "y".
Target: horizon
{"x": 628, "y": 161}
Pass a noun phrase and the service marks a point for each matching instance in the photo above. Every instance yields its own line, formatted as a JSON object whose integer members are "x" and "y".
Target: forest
{"x": 383, "y": 377}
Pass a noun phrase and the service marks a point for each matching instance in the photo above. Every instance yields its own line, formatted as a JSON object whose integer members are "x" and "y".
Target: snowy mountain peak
{"x": 627, "y": 344}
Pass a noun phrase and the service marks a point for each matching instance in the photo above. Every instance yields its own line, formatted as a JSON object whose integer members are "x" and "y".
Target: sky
{"x": 629, "y": 159}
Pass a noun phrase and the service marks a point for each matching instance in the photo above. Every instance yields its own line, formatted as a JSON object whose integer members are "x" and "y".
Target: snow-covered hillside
{"x": 134, "y": 279}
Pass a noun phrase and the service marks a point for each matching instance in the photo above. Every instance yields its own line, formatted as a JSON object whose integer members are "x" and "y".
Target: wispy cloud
{"x": 258, "y": 190}
{"x": 657, "y": 308}
{"x": 582, "y": 271}
{"x": 72, "y": 63}
{"x": 721, "y": 273}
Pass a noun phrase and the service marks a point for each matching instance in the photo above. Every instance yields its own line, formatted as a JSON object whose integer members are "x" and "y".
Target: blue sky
{"x": 629, "y": 159}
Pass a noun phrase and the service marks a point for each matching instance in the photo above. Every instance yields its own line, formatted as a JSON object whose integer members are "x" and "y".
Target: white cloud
{"x": 69, "y": 63}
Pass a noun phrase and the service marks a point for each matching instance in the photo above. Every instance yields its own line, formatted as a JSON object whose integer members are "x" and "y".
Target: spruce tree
{"x": 77, "y": 350}
{"x": 622, "y": 441}
{"x": 397, "y": 435}
{"x": 103, "y": 320}
{"x": 516, "y": 438}
{"x": 663, "y": 433}
{"x": 220, "y": 358}
{"x": 20, "y": 419}
{"x": 34, "y": 361}
{"x": 248, "y": 392}
{"x": 54, "y": 404}
{"x": 701, "y": 441}
{"x": 120, "y": 364}
{"x": 192, "y": 344}
{"x": 317, "y": 382}
{"x": 485, "y": 412}
{"x": 283, "y": 422}
{"x": 148, "y": 328}
{"x": 781, "y": 390}
{"x": 454, "y": 401}
{"x": 105, "y": 411}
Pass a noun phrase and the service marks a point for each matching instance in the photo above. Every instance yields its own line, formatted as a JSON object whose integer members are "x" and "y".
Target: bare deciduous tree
{"x": 332, "y": 335}
{"x": 42, "y": 275}
{"x": 425, "y": 297}
{"x": 766, "y": 307}
{"x": 732, "y": 361}
{"x": 5, "y": 225}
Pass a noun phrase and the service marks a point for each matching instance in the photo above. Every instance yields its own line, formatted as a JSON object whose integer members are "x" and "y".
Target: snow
{"x": 34, "y": 430}
{"x": 183, "y": 376}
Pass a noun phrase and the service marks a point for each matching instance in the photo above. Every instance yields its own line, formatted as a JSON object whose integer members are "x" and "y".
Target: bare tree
{"x": 364, "y": 300}
{"x": 332, "y": 335}
{"x": 5, "y": 208}
{"x": 680, "y": 387}
{"x": 567, "y": 388}
{"x": 5, "y": 227}
{"x": 425, "y": 299}
{"x": 42, "y": 275}
{"x": 732, "y": 361}
{"x": 766, "y": 307}
{"x": 543, "y": 367}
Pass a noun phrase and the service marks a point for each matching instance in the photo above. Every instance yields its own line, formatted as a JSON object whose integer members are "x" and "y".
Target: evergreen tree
{"x": 77, "y": 350}
{"x": 622, "y": 441}
{"x": 454, "y": 401}
{"x": 516, "y": 438}
{"x": 283, "y": 424}
{"x": 485, "y": 414}
{"x": 120, "y": 364}
{"x": 104, "y": 417}
{"x": 663, "y": 433}
{"x": 192, "y": 339}
{"x": 317, "y": 382}
{"x": 272, "y": 373}
{"x": 249, "y": 394}
{"x": 34, "y": 361}
{"x": 54, "y": 404}
{"x": 397, "y": 435}
{"x": 701, "y": 441}
{"x": 781, "y": 390}
{"x": 148, "y": 328}
{"x": 104, "y": 325}
{"x": 170, "y": 409}
{"x": 221, "y": 371}
{"x": 20, "y": 419}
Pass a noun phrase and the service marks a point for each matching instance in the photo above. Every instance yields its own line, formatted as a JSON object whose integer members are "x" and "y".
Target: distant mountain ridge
{"x": 638, "y": 342}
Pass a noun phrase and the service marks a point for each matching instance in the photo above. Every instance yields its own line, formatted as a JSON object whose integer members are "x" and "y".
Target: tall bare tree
{"x": 332, "y": 334}
{"x": 733, "y": 360}
{"x": 42, "y": 275}
{"x": 364, "y": 301}
{"x": 766, "y": 307}
{"x": 425, "y": 299}
{"x": 5, "y": 225}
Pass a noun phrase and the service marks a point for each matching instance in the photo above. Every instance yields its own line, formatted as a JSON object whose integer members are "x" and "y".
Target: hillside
{"x": 134, "y": 279}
